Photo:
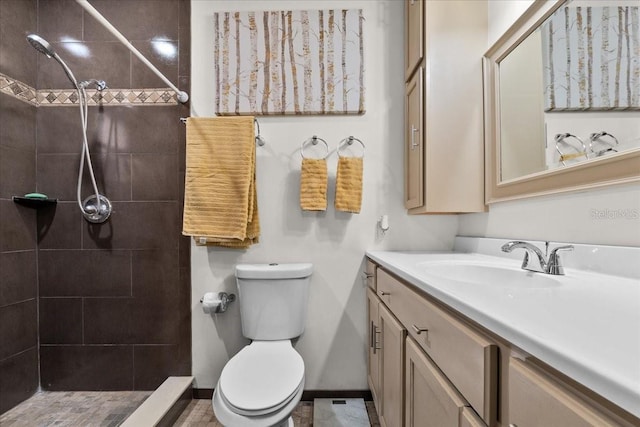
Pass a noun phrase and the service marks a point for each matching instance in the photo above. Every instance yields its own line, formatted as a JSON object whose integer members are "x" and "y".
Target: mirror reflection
{"x": 570, "y": 92}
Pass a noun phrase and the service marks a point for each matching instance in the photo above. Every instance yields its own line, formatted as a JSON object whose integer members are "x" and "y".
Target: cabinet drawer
{"x": 370, "y": 274}
{"x": 535, "y": 401}
{"x": 468, "y": 359}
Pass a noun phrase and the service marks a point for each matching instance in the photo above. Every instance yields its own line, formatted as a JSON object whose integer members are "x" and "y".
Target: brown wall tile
{"x": 60, "y": 227}
{"x": 18, "y": 118}
{"x": 59, "y": 129}
{"x": 136, "y": 225}
{"x": 154, "y": 177}
{"x": 109, "y": 321}
{"x": 17, "y": 172}
{"x": 162, "y": 53}
{"x": 59, "y": 20}
{"x": 155, "y": 276}
{"x": 139, "y": 321}
{"x": 18, "y": 328}
{"x": 17, "y": 227}
{"x": 88, "y": 60}
{"x": 153, "y": 364}
{"x": 71, "y": 367}
{"x": 113, "y": 176}
{"x": 60, "y": 321}
{"x": 84, "y": 273}
{"x": 18, "y": 378}
{"x": 184, "y": 21}
{"x": 135, "y": 19}
{"x": 137, "y": 290}
{"x": 17, "y": 57}
{"x": 111, "y": 130}
{"x": 58, "y": 175}
{"x": 18, "y": 278}
{"x": 157, "y": 322}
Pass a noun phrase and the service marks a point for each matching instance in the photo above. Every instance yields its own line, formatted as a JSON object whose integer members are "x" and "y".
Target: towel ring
{"x": 259, "y": 139}
{"x": 349, "y": 141}
{"x": 560, "y": 138}
{"x": 314, "y": 141}
{"x": 597, "y": 136}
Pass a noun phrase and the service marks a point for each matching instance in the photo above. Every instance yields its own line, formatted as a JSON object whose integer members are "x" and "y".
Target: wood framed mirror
{"x": 550, "y": 129}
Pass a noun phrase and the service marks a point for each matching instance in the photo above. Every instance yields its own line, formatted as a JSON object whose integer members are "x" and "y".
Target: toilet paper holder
{"x": 216, "y": 302}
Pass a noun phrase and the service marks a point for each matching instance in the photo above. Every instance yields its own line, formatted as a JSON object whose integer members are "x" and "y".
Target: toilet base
{"x": 286, "y": 423}
{"x": 230, "y": 419}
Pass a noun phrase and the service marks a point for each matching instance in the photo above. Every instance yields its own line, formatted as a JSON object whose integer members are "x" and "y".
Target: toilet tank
{"x": 273, "y": 299}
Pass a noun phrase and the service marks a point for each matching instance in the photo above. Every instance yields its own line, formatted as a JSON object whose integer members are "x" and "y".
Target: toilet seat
{"x": 261, "y": 378}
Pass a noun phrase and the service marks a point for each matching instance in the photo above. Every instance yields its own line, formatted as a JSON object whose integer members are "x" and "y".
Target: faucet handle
{"x": 554, "y": 266}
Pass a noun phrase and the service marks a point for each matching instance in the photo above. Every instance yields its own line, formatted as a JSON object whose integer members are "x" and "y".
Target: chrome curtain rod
{"x": 181, "y": 95}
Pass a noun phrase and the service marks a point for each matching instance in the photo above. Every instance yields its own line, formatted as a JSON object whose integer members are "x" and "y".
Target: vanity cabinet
{"x": 442, "y": 366}
{"x": 444, "y": 143}
{"x": 386, "y": 362}
{"x": 444, "y": 370}
{"x": 467, "y": 358}
{"x": 373, "y": 365}
{"x": 537, "y": 401}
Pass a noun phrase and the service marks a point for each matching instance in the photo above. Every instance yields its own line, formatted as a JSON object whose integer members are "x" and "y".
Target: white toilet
{"x": 262, "y": 384}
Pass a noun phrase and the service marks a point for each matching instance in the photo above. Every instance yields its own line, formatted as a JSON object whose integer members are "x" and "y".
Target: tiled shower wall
{"x": 18, "y": 275}
{"x": 114, "y": 305}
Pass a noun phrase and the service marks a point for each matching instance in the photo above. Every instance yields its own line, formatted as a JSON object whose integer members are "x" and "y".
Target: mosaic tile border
{"x": 17, "y": 89}
{"x": 64, "y": 97}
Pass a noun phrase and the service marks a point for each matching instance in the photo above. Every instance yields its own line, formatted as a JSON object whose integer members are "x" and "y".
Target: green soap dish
{"x": 36, "y": 196}
{"x": 34, "y": 200}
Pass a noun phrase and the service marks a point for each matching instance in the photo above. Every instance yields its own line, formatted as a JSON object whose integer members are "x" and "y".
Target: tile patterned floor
{"x": 74, "y": 409}
{"x": 199, "y": 413}
{"x": 111, "y": 408}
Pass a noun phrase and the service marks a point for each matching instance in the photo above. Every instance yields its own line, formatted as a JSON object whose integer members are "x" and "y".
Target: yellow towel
{"x": 349, "y": 184}
{"x": 220, "y": 201}
{"x": 313, "y": 185}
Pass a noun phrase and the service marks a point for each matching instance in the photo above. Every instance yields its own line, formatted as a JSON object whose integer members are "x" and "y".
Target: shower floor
{"x": 74, "y": 408}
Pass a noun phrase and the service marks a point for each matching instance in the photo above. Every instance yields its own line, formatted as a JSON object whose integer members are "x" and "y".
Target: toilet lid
{"x": 262, "y": 375}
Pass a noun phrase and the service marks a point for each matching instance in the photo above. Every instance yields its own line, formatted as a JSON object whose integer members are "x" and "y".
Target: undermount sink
{"x": 488, "y": 274}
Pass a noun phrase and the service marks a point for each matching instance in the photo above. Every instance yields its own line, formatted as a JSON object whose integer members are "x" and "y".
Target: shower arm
{"x": 181, "y": 95}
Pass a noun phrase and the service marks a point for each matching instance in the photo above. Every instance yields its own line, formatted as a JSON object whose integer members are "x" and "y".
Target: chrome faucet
{"x": 552, "y": 266}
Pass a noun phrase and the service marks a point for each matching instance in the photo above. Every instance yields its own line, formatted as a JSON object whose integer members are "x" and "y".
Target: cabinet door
{"x": 414, "y": 144}
{"x": 467, "y": 358}
{"x": 391, "y": 369}
{"x": 415, "y": 35}
{"x": 373, "y": 362}
{"x": 430, "y": 400}
{"x": 469, "y": 418}
{"x": 535, "y": 401}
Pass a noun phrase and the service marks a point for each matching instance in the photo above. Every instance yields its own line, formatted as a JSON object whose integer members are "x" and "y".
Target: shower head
{"x": 44, "y": 47}
{"x": 41, "y": 45}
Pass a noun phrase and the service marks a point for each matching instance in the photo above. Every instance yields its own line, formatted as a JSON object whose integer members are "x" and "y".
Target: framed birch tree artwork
{"x": 592, "y": 58}
{"x": 289, "y": 62}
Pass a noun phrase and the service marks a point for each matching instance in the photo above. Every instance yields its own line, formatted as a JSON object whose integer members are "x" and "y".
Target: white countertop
{"x": 588, "y": 328}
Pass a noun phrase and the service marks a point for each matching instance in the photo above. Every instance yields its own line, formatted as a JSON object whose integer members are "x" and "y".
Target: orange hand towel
{"x": 349, "y": 184}
{"x": 313, "y": 185}
{"x": 220, "y": 203}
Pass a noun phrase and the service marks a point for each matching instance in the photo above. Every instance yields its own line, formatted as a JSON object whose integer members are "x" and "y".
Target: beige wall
{"x": 333, "y": 346}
